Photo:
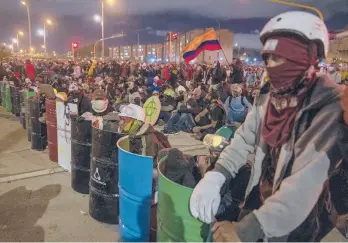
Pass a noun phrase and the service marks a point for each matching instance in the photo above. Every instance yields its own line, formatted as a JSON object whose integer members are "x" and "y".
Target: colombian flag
{"x": 207, "y": 41}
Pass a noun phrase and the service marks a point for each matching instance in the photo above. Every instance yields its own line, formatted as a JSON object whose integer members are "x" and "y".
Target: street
{"x": 36, "y": 198}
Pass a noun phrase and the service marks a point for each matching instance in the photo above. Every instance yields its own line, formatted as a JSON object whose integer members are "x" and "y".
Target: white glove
{"x": 205, "y": 199}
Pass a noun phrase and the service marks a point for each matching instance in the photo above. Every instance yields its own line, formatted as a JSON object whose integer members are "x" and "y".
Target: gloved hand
{"x": 205, "y": 199}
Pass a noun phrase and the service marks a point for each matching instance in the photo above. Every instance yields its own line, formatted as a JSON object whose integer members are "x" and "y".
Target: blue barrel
{"x": 135, "y": 188}
{"x": 103, "y": 188}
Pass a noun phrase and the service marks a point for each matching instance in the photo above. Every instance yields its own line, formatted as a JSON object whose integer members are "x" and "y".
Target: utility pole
{"x": 170, "y": 47}
{"x": 102, "y": 23}
{"x": 73, "y": 51}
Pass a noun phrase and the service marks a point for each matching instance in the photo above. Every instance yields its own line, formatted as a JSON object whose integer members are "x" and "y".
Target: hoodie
{"x": 302, "y": 168}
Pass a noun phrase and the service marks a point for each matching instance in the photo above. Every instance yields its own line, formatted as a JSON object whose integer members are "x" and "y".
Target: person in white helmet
{"x": 289, "y": 137}
{"x": 144, "y": 139}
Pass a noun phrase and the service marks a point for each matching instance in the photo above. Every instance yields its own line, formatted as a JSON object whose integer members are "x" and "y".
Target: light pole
{"x": 29, "y": 23}
{"x": 101, "y": 19}
{"x": 236, "y": 45}
{"x": 111, "y": 37}
{"x": 19, "y": 33}
{"x": 49, "y": 22}
{"x": 138, "y": 38}
{"x": 218, "y": 52}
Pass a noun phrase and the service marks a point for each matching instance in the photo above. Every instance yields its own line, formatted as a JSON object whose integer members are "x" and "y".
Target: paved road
{"x": 36, "y": 199}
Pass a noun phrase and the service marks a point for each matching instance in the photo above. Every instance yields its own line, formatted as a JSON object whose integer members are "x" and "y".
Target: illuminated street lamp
{"x": 43, "y": 46}
{"x": 19, "y": 33}
{"x": 101, "y": 19}
{"x": 29, "y": 23}
{"x": 97, "y": 18}
{"x": 48, "y": 22}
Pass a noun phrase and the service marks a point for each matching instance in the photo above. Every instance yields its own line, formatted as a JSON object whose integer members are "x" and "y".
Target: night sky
{"x": 73, "y": 19}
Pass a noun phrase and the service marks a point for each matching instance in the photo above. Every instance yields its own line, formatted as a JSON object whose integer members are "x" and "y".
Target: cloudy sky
{"x": 74, "y": 18}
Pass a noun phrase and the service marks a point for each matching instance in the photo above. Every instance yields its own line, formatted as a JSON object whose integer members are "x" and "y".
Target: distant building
{"x": 338, "y": 47}
{"x": 160, "y": 52}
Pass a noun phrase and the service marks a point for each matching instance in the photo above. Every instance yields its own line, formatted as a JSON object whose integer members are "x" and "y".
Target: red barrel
{"x": 51, "y": 121}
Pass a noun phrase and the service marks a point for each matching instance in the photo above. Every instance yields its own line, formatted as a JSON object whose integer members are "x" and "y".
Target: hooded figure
{"x": 290, "y": 138}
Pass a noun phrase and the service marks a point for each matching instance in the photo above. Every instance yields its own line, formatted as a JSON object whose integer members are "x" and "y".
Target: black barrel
{"x": 38, "y": 130}
{"x": 15, "y": 98}
{"x": 81, "y": 144}
{"x": 104, "y": 197}
{"x": 23, "y": 96}
{"x": 26, "y": 104}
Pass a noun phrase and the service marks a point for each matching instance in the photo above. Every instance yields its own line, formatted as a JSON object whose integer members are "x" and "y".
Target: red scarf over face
{"x": 282, "y": 108}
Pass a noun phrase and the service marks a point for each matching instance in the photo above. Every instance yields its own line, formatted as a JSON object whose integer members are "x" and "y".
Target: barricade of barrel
{"x": 174, "y": 220}
{"x": 8, "y": 103}
{"x": 28, "y": 95}
{"x": 51, "y": 124}
{"x": 37, "y": 128}
{"x": 104, "y": 176}
{"x": 15, "y": 100}
{"x": 136, "y": 187}
{"x": 81, "y": 144}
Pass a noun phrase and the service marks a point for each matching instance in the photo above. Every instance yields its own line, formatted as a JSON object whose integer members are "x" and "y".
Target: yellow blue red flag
{"x": 205, "y": 42}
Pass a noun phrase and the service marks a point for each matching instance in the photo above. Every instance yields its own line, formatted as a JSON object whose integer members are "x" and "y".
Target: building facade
{"x": 161, "y": 52}
{"x": 338, "y": 47}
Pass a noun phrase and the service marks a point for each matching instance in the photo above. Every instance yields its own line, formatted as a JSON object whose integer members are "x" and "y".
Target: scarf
{"x": 290, "y": 84}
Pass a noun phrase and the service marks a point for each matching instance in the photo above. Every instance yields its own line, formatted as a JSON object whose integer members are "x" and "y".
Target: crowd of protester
{"x": 196, "y": 98}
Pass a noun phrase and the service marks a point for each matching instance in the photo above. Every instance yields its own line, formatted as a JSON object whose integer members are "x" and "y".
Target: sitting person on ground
{"x": 212, "y": 118}
{"x": 236, "y": 105}
{"x": 183, "y": 119}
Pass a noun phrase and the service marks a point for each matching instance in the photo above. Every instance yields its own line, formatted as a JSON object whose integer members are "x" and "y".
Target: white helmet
{"x": 306, "y": 26}
{"x": 133, "y": 111}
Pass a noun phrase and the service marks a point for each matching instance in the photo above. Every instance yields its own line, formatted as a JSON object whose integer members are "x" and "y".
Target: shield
{"x": 152, "y": 109}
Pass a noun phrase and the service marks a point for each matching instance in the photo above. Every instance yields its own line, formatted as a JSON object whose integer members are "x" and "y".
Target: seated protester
{"x": 168, "y": 103}
{"x": 211, "y": 118}
{"x": 222, "y": 90}
{"x": 78, "y": 97}
{"x": 183, "y": 119}
{"x": 181, "y": 96}
{"x": 236, "y": 105}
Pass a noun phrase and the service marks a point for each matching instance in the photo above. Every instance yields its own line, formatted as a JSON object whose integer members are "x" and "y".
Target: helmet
{"x": 305, "y": 26}
{"x": 133, "y": 111}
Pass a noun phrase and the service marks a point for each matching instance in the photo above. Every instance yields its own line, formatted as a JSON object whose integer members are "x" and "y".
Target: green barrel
{"x": 8, "y": 98}
{"x": 3, "y": 95}
{"x": 28, "y": 94}
{"x": 174, "y": 220}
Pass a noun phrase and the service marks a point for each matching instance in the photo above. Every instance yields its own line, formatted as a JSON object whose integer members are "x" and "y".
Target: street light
{"x": 236, "y": 45}
{"x": 29, "y": 23}
{"x": 97, "y": 18}
{"x": 19, "y": 33}
{"x": 101, "y": 19}
{"x": 49, "y": 22}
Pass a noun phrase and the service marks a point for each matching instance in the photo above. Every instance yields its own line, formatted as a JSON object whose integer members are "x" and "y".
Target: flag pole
{"x": 222, "y": 50}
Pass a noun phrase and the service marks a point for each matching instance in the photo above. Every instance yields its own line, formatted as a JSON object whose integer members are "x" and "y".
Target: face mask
{"x": 285, "y": 75}
{"x": 99, "y": 105}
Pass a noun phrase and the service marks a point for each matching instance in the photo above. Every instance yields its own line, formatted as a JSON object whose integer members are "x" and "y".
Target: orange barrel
{"x": 51, "y": 121}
